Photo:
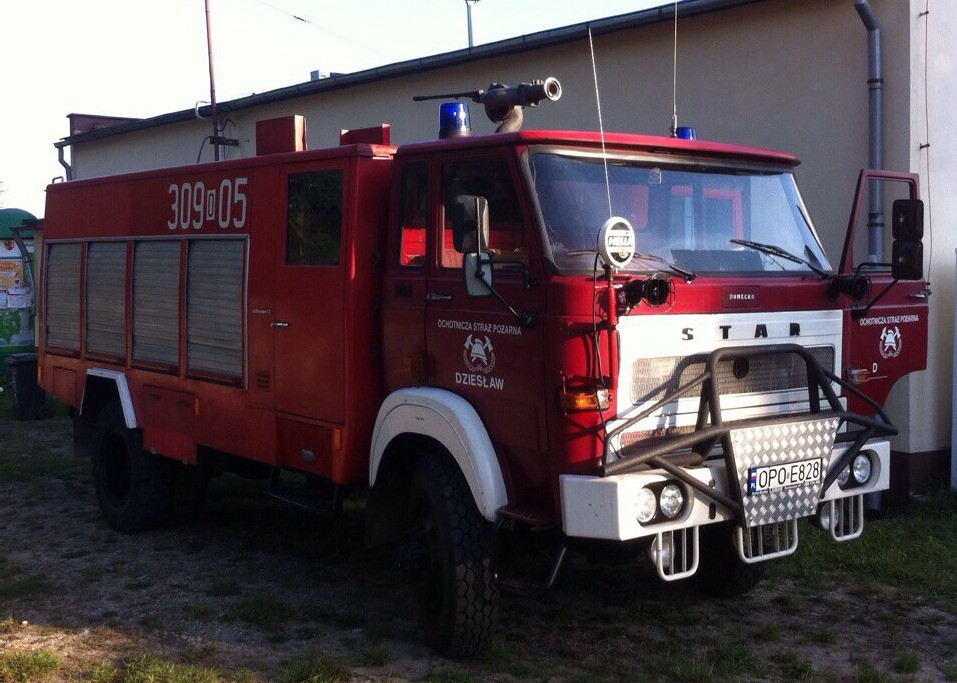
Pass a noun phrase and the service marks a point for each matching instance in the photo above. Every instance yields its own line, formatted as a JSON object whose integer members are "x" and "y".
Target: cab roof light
{"x": 454, "y": 120}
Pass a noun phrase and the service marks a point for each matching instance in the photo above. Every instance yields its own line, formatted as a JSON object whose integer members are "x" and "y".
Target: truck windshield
{"x": 693, "y": 215}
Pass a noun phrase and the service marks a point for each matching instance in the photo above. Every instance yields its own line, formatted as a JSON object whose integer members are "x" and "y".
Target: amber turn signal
{"x": 585, "y": 399}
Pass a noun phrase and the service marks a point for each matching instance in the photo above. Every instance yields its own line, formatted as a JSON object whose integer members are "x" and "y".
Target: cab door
{"x": 888, "y": 339}
{"x": 309, "y": 280}
{"x": 476, "y": 347}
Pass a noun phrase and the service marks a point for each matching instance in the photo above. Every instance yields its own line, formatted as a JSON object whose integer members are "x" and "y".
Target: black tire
{"x": 132, "y": 486}
{"x": 456, "y": 586}
{"x": 188, "y": 488}
{"x": 721, "y": 573}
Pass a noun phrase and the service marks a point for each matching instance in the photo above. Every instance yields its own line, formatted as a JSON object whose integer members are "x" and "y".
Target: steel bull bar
{"x": 711, "y": 429}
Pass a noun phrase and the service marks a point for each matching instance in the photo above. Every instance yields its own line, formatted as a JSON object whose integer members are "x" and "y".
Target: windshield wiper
{"x": 686, "y": 274}
{"x": 773, "y": 250}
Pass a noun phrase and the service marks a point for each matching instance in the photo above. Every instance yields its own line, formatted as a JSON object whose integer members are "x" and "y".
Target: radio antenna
{"x": 674, "y": 79}
{"x": 601, "y": 127}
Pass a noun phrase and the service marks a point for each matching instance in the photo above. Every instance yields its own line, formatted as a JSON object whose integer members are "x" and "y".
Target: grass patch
{"x": 150, "y": 669}
{"x": 14, "y": 585}
{"x": 949, "y": 669}
{"x": 374, "y": 656}
{"x": 907, "y": 663}
{"x": 261, "y": 611}
{"x": 19, "y": 666}
{"x": 319, "y": 668}
{"x": 446, "y": 676}
{"x": 884, "y": 554}
{"x": 222, "y": 587}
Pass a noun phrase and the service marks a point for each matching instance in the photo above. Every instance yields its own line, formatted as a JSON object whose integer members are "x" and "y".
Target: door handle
{"x": 279, "y": 323}
{"x": 432, "y": 296}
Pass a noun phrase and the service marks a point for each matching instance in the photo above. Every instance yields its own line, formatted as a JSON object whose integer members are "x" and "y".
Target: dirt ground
{"x": 260, "y": 592}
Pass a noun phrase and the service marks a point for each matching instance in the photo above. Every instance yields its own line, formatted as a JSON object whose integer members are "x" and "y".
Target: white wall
{"x": 785, "y": 74}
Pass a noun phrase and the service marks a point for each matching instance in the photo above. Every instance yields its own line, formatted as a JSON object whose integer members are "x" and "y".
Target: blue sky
{"x": 139, "y": 58}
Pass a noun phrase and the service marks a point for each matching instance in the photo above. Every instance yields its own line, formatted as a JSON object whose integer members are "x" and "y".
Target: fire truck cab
{"x": 613, "y": 339}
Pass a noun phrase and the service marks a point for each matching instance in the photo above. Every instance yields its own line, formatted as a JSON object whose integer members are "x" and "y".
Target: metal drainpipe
{"x": 59, "y": 150}
{"x": 875, "y": 86}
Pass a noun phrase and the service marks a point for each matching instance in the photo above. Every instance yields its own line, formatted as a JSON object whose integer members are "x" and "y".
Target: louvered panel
{"x": 156, "y": 302}
{"x": 106, "y": 299}
{"x": 63, "y": 296}
{"x": 214, "y": 294}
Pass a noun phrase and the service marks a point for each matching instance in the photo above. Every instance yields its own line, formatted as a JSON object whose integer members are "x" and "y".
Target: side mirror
{"x": 907, "y": 254}
{"x": 477, "y": 270}
{"x": 469, "y": 214}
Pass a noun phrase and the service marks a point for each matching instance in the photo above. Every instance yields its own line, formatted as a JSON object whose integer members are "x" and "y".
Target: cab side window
{"x": 314, "y": 218}
{"x": 489, "y": 178}
{"x": 413, "y": 216}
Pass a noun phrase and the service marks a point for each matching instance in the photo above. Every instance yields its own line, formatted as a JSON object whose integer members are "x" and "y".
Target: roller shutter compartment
{"x": 106, "y": 299}
{"x": 156, "y": 302}
{"x": 62, "y": 297}
{"x": 214, "y": 300}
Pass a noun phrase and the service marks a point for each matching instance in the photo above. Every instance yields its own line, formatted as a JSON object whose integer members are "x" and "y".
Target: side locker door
{"x": 309, "y": 280}
{"x": 889, "y": 340}
{"x": 404, "y": 295}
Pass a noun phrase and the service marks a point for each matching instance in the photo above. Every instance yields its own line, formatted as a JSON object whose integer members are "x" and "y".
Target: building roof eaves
{"x": 532, "y": 41}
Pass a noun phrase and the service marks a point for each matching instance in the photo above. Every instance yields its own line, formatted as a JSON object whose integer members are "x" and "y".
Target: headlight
{"x": 671, "y": 501}
{"x": 646, "y": 506}
{"x": 843, "y": 477}
{"x": 861, "y": 468}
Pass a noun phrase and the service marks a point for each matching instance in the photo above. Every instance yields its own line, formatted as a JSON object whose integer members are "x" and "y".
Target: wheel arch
{"x": 422, "y": 416}
{"x": 101, "y": 387}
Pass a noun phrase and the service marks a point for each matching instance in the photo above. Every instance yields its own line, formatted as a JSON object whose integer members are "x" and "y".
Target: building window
{"x": 314, "y": 218}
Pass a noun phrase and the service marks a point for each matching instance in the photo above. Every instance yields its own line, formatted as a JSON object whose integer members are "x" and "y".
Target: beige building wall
{"x": 784, "y": 74}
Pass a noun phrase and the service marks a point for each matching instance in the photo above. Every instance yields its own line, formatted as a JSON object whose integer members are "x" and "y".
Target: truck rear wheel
{"x": 132, "y": 486}
{"x": 455, "y": 584}
{"x": 721, "y": 573}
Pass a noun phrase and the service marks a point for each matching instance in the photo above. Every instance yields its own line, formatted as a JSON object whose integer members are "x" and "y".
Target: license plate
{"x": 785, "y": 476}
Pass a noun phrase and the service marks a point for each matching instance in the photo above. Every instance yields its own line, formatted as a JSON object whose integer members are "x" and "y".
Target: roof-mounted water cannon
{"x": 503, "y": 104}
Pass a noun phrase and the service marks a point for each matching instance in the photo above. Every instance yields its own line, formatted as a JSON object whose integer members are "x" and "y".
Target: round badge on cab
{"x": 616, "y": 242}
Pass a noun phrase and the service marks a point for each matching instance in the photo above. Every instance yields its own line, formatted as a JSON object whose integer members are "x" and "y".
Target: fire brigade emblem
{"x": 891, "y": 342}
{"x": 479, "y": 356}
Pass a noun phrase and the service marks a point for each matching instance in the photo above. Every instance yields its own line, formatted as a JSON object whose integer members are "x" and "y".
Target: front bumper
{"x": 605, "y": 507}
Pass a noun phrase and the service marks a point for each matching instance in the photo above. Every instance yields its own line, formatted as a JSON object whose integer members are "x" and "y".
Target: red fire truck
{"x": 618, "y": 342}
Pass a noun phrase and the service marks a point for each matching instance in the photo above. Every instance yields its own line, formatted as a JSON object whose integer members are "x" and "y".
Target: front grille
{"x": 657, "y": 378}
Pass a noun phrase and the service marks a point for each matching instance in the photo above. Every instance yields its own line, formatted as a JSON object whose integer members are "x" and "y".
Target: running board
{"x": 514, "y": 585}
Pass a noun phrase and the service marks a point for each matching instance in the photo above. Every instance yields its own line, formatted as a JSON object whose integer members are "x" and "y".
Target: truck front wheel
{"x": 132, "y": 486}
{"x": 455, "y": 582}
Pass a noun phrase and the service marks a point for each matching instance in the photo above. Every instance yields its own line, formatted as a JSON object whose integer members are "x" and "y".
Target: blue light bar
{"x": 454, "y": 120}
{"x": 686, "y": 133}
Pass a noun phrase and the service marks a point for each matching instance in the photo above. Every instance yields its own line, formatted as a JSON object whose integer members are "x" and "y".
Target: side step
{"x": 766, "y": 541}
{"x": 514, "y": 585}
{"x": 327, "y": 503}
{"x": 845, "y": 517}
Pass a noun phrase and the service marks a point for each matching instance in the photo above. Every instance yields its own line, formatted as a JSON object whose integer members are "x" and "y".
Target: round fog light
{"x": 844, "y": 476}
{"x": 824, "y": 516}
{"x": 861, "y": 468}
{"x": 671, "y": 501}
{"x": 646, "y": 506}
{"x": 666, "y": 551}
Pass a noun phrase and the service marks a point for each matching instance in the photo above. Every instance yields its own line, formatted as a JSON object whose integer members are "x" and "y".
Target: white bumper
{"x": 604, "y": 507}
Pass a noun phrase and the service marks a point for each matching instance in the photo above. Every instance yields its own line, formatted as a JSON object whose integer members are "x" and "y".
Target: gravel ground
{"x": 260, "y": 592}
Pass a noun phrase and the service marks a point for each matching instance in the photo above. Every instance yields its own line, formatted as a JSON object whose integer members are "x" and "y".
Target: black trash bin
{"x": 29, "y": 400}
